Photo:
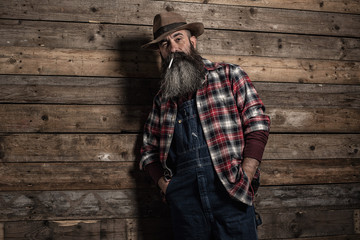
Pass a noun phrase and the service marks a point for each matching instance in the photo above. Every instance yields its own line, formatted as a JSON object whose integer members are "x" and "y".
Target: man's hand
{"x": 249, "y": 166}
{"x": 163, "y": 184}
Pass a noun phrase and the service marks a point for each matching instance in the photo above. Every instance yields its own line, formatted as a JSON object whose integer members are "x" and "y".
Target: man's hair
{"x": 189, "y": 33}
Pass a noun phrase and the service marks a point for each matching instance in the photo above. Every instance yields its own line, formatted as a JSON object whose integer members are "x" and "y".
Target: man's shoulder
{"x": 209, "y": 65}
{"x": 229, "y": 68}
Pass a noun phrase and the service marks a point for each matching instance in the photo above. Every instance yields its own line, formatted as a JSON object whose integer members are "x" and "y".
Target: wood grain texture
{"x": 47, "y": 148}
{"x": 2, "y": 231}
{"x": 326, "y": 196}
{"x": 312, "y": 146}
{"x": 131, "y": 37}
{"x": 87, "y": 205}
{"x": 78, "y": 90}
{"x": 126, "y": 203}
{"x": 104, "y": 229}
{"x": 131, "y": 118}
{"x": 351, "y": 6}
{"x": 307, "y": 223}
{"x": 123, "y": 228}
{"x": 212, "y": 42}
{"x": 69, "y": 147}
{"x": 72, "y": 118}
{"x": 42, "y": 230}
{"x": 120, "y": 175}
{"x": 69, "y": 176}
{"x": 124, "y": 91}
{"x": 314, "y": 120}
{"x": 324, "y": 171}
{"x": 106, "y": 63}
{"x": 141, "y": 12}
{"x": 337, "y": 237}
{"x": 295, "y": 70}
{"x": 308, "y": 95}
{"x": 287, "y": 224}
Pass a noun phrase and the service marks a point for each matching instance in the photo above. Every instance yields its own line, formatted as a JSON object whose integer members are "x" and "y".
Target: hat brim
{"x": 196, "y": 30}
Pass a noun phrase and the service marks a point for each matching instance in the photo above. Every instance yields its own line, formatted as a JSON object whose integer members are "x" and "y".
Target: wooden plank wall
{"x": 75, "y": 90}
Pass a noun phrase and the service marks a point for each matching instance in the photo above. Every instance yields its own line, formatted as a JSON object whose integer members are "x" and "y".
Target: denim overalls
{"x": 199, "y": 204}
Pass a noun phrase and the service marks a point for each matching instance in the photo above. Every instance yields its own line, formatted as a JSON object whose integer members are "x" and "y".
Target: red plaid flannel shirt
{"x": 229, "y": 108}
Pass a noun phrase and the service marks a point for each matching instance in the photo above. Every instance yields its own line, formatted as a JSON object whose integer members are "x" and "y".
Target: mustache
{"x": 175, "y": 58}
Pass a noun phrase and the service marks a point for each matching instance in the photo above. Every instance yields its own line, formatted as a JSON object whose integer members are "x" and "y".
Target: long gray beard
{"x": 185, "y": 75}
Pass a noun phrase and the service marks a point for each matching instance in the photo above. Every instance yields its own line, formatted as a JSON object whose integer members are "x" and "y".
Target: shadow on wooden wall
{"x": 153, "y": 216}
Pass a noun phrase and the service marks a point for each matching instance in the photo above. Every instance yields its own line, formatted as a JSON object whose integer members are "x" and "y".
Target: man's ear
{"x": 193, "y": 40}
{"x": 158, "y": 51}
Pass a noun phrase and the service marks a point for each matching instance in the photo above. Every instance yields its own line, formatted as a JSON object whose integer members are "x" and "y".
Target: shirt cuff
{"x": 255, "y": 143}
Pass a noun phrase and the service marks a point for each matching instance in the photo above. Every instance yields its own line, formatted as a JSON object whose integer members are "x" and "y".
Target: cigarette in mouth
{"x": 171, "y": 61}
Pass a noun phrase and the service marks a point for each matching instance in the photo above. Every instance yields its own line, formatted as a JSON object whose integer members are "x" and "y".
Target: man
{"x": 204, "y": 138}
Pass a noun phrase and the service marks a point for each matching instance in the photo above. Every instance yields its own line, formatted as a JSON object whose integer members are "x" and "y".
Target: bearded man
{"x": 204, "y": 138}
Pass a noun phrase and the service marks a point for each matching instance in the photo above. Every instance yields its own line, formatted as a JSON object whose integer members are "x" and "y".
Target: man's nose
{"x": 174, "y": 47}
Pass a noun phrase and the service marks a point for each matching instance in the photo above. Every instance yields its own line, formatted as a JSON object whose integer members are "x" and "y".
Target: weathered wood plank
{"x": 306, "y": 223}
{"x": 117, "y": 175}
{"x": 42, "y": 230}
{"x": 288, "y": 119}
{"x": 72, "y": 118}
{"x": 351, "y": 6}
{"x": 337, "y": 237}
{"x": 73, "y": 205}
{"x": 80, "y": 90}
{"x": 159, "y": 228}
{"x": 130, "y": 38}
{"x": 295, "y": 70}
{"x": 42, "y": 61}
{"x": 92, "y": 90}
{"x": 24, "y": 33}
{"x": 284, "y": 224}
{"x": 126, "y": 203}
{"x": 334, "y": 196}
{"x": 69, "y": 176}
{"x": 282, "y": 172}
{"x": 69, "y": 147}
{"x": 129, "y": 118}
{"x": 308, "y": 95}
{"x": 312, "y": 146}
{"x": 212, "y": 15}
{"x": 17, "y": 148}
{"x": 104, "y": 229}
{"x": 279, "y": 45}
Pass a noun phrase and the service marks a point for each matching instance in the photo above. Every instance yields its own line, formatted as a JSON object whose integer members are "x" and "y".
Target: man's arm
{"x": 254, "y": 148}
{"x": 155, "y": 171}
{"x": 150, "y": 159}
{"x": 249, "y": 166}
{"x": 256, "y": 124}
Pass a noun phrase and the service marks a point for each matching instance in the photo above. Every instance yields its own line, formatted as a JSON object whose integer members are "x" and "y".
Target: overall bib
{"x": 199, "y": 204}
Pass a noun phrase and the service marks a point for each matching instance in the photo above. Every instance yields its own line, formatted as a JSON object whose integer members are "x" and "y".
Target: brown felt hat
{"x": 168, "y": 22}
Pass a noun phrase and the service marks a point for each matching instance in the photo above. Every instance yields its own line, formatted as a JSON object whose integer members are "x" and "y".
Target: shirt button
{"x": 169, "y": 135}
{"x": 179, "y": 121}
